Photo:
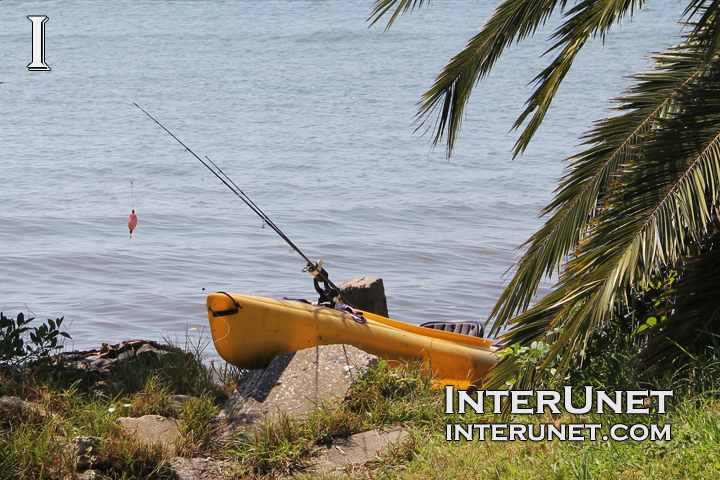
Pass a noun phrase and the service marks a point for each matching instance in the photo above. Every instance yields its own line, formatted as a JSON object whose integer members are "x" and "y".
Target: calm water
{"x": 309, "y": 111}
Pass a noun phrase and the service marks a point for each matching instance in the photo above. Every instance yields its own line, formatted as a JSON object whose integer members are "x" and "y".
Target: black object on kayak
{"x": 474, "y": 329}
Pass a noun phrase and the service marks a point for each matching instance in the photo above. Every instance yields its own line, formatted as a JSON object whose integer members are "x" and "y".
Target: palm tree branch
{"x": 513, "y": 20}
{"x": 382, "y": 7}
{"x": 576, "y": 200}
{"x": 588, "y": 19}
{"x": 630, "y": 242}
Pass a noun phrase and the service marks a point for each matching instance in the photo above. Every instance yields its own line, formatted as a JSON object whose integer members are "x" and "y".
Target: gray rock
{"x": 126, "y": 355}
{"x": 359, "y": 448}
{"x": 367, "y": 294}
{"x": 14, "y": 402}
{"x": 84, "y": 448}
{"x": 295, "y": 383}
{"x": 203, "y": 469}
{"x": 151, "y": 429}
{"x": 29, "y": 407}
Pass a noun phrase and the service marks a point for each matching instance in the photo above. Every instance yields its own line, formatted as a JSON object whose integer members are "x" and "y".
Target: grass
{"x": 34, "y": 442}
{"x": 692, "y": 453}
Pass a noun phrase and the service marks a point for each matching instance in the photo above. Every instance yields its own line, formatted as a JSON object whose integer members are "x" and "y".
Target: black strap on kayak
{"x": 230, "y": 311}
{"x": 331, "y": 292}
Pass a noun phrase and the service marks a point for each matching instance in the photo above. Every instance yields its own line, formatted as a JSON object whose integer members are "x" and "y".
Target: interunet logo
{"x": 630, "y": 401}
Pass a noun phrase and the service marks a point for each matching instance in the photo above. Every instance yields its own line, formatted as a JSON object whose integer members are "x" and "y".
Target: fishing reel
{"x": 327, "y": 292}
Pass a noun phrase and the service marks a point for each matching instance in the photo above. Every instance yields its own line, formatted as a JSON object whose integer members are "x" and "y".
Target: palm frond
{"x": 659, "y": 202}
{"x": 515, "y": 20}
{"x": 588, "y": 19}
{"x": 614, "y": 142}
{"x": 706, "y": 31}
{"x": 695, "y": 313}
{"x": 512, "y": 20}
{"x": 383, "y": 7}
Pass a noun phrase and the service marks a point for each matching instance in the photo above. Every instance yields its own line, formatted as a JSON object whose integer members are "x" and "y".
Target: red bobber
{"x": 132, "y": 222}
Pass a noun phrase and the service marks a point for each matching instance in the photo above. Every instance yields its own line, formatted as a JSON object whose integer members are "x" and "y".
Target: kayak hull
{"x": 249, "y": 331}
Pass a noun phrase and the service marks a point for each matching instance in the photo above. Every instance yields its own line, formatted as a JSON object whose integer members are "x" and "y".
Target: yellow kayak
{"x": 249, "y": 331}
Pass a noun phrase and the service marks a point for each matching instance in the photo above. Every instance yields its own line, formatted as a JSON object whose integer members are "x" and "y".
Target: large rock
{"x": 294, "y": 384}
{"x": 367, "y": 294}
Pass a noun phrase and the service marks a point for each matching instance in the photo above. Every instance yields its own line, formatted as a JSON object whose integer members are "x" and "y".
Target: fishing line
{"x": 315, "y": 269}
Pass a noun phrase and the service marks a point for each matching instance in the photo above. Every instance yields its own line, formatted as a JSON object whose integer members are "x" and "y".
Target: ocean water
{"x": 309, "y": 111}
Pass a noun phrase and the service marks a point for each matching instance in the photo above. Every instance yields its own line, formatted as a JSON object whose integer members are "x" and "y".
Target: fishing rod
{"x": 315, "y": 269}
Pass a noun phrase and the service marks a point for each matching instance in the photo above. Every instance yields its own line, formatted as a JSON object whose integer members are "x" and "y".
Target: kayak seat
{"x": 474, "y": 329}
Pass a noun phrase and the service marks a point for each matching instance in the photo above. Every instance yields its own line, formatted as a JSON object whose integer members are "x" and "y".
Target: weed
{"x": 198, "y": 427}
{"x": 279, "y": 445}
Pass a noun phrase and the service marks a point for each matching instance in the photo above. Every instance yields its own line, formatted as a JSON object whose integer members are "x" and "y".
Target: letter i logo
{"x": 38, "y": 43}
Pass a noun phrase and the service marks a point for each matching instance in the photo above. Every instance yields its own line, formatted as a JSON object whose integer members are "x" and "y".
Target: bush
{"x": 19, "y": 343}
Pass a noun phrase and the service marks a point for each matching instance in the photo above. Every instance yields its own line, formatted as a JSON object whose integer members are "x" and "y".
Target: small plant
{"x": 14, "y": 335}
{"x": 198, "y": 426}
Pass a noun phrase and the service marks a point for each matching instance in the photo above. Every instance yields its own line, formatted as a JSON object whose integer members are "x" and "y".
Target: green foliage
{"x": 19, "y": 342}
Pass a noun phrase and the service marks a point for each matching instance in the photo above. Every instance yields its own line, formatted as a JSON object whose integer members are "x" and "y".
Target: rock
{"x": 84, "y": 448}
{"x": 104, "y": 360}
{"x": 367, "y": 294}
{"x": 203, "y": 469}
{"x": 151, "y": 429}
{"x": 294, "y": 384}
{"x": 86, "y": 475}
{"x": 150, "y": 351}
{"x": 17, "y": 404}
{"x": 359, "y": 448}
{"x": 13, "y": 402}
{"x": 179, "y": 401}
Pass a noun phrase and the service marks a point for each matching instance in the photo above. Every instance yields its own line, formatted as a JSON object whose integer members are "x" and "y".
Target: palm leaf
{"x": 383, "y": 7}
{"x": 512, "y": 21}
{"x": 658, "y": 203}
{"x": 588, "y": 19}
{"x": 614, "y": 142}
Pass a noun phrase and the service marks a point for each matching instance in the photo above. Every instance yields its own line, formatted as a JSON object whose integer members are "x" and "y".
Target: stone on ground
{"x": 151, "y": 429}
{"x": 359, "y": 448}
{"x": 84, "y": 448}
{"x": 295, "y": 383}
{"x": 202, "y": 469}
{"x": 17, "y": 404}
{"x": 367, "y": 294}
